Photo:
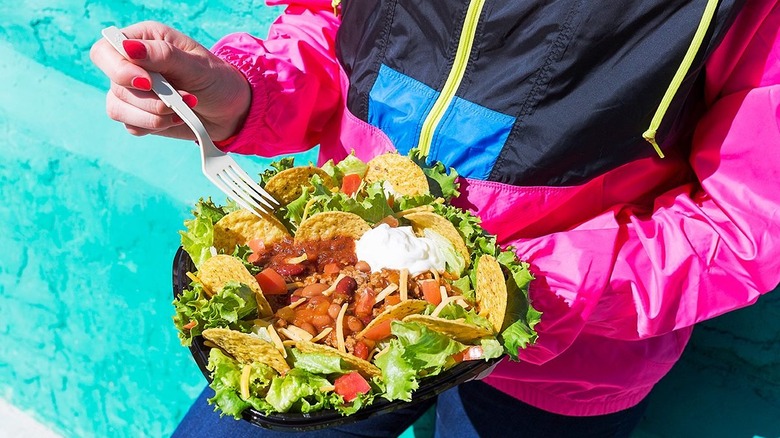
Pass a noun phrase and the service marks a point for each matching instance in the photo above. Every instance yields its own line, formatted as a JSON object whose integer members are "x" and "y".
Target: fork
{"x": 219, "y": 168}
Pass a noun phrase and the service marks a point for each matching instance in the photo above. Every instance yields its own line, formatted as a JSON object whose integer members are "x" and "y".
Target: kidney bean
{"x": 346, "y": 286}
{"x": 362, "y": 266}
{"x": 289, "y": 269}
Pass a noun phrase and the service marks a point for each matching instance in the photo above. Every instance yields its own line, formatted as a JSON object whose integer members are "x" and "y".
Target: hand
{"x": 217, "y": 91}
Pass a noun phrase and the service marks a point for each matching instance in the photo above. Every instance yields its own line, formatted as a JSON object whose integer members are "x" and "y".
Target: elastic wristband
{"x": 222, "y": 143}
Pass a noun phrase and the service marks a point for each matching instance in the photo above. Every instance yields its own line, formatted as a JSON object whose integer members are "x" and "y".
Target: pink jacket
{"x": 627, "y": 262}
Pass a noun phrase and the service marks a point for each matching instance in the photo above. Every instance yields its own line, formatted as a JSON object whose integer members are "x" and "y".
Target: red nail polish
{"x": 176, "y": 119}
{"x": 141, "y": 83}
{"x": 134, "y": 49}
{"x": 190, "y": 100}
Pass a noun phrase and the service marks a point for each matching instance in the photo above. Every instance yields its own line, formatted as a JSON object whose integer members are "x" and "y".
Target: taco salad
{"x": 366, "y": 282}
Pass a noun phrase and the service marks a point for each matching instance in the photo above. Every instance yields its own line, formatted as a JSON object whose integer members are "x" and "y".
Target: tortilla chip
{"x": 421, "y": 208}
{"x": 330, "y": 224}
{"x": 241, "y": 226}
{"x": 247, "y": 348}
{"x": 287, "y": 185}
{"x": 491, "y": 292}
{"x": 215, "y": 272}
{"x": 456, "y": 329}
{"x": 400, "y": 171}
{"x": 396, "y": 312}
{"x": 364, "y": 367}
{"x": 439, "y": 224}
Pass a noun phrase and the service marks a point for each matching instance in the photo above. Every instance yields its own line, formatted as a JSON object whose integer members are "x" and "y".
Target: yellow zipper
{"x": 454, "y": 78}
{"x": 682, "y": 70}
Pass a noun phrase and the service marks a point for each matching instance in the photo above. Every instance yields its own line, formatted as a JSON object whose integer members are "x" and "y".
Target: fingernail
{"x": 176, "y": 119}
{"x": 190, "y": 100}
{"x": 134, "y": 49}
{"x": 141, "y": 83}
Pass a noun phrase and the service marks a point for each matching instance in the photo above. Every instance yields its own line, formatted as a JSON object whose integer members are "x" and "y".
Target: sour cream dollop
{"x": 398, "y": 248}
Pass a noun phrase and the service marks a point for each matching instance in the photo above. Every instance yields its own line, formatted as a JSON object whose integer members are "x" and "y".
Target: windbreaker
{"x": 542, "y": 108}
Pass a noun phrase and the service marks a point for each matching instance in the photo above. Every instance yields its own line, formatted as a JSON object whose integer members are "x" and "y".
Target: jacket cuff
{"x": 245, "y": 140}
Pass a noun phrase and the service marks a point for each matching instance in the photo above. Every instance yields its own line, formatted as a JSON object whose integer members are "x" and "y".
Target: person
{"x": 629, "y": 151}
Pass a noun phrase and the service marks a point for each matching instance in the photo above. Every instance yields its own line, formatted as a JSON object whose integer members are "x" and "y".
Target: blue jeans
{"x": 473, "y": 409}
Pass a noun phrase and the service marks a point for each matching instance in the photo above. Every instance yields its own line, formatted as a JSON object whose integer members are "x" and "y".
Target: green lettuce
{"x": 228, "y": 308}
{"x": 226, "y": 383}
{"x": 350, "y": 164}
{"x": 298, "y": 389}
{"x": 198, "y": 237}
{"x": 276, "y": 167}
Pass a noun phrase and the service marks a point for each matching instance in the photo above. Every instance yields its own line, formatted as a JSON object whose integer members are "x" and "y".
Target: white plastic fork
{"x": 219, "y": 168}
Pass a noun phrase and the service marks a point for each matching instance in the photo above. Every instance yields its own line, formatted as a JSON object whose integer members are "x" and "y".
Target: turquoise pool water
{"x": 89, "y": 221}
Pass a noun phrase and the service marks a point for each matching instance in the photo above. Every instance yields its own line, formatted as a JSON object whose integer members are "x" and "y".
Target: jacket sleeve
{"x": 707, "y": 247}
{"x": 294, "y": 78}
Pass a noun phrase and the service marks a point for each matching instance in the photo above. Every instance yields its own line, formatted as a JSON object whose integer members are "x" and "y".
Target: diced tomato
{"x": 331, "y": 268}
{"x": 364, "y": 302}
{"x": 361, "y": 350}
{"x": 430, "y": 290}
{"x": 379, "y": 331}
{"x": 393, "y": 299}
{"x": 390, "y": 220}
{"x": 257, "y": 246}
{"x": 258, "y": 250}
{"x": 271, "y": 282}
{"x": 350, "y": 385}
{"x": 350, "y": 183}
{"x": 471, "y": 353}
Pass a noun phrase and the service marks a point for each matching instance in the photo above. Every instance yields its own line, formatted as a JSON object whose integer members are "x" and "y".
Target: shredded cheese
{"x": 195, "y": 278}
{"x": 298, "y": 332}
{"x": 276, "y": 340}
{"x": 306, "y": 209}
{"x": 322, "y": 334}
{"x": 298, "y": 303}
{"x": 384, "y": 350}
{"x": 340, "y": 329}
{"x": 327, "y": 388}
{"x": 444, "y": 302}
{"x": 404, "y": 286}
{"x": 294, "y": 285}
{"x": 333, "y": 285}
{"x": 245, "y": 381}
{"x": 210, "y": 344}
{"x": 385, "y": 292}
{"x": 435, "y": 275}
{"x": 262, "y": 322}
{"x": 295, "y": 260}
{"x": 443, "y": 292}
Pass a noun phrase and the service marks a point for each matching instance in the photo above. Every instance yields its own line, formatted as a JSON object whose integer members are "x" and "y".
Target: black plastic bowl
{"x": 430, "y": 387}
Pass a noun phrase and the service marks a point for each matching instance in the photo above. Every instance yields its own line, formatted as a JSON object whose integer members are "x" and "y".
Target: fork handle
{"x": 161, "y": 87}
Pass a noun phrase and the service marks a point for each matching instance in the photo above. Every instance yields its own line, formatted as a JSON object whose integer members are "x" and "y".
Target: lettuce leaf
{"x": 226, "y": 383}
{"x": 276, "y": 167}
{"x": 298, "y": 389}
{"x": 225, "y": 309}
{"x": 198, "y": 237}
{"x": 441, "y": 184}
